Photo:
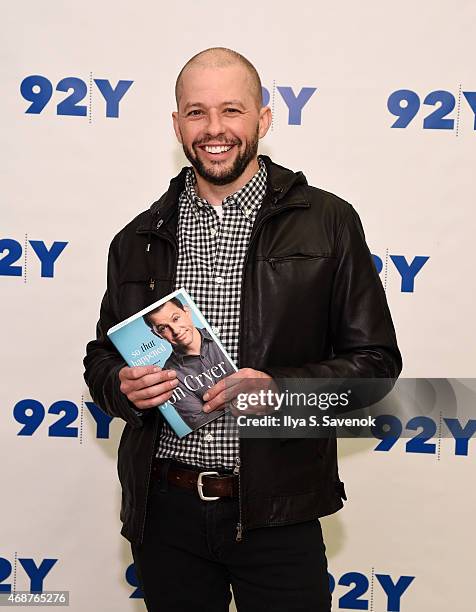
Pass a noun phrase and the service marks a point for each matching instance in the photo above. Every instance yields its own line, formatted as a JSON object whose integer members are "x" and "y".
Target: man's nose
{"x": 175, "y": 330}
{"x": 215, "y": 123}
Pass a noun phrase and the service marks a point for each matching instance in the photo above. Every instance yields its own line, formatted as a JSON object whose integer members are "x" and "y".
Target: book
{"x": 173, "y": 334}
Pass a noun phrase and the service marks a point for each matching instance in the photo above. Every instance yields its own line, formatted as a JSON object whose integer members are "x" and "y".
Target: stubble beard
{"x": 227, "y": 175}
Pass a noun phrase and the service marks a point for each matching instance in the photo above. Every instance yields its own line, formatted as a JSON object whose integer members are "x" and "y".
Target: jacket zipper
{"x": 273, "y": 260}
{"x": 236, "y": 470}
{"x": 239, "y": 528}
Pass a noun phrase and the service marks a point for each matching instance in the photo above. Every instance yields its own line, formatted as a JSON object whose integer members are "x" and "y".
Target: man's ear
{"x": 175, "y": 119}
{"x": 265, "y": 118}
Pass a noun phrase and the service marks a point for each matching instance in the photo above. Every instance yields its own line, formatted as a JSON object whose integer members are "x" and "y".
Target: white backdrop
{"x": 77, "y": 179}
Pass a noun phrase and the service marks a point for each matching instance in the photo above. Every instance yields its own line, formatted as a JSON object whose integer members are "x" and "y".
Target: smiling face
{"x": 174, "y": 325}
{"x": 218, "y": 121}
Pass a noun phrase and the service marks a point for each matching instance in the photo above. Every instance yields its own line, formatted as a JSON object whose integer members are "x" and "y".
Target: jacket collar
{"x": 280, "y": 182}
{"x": 284, "y": 182}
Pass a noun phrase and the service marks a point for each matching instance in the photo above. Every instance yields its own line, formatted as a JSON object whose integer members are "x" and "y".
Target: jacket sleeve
{"x": 103, "y": 362}
{"x": 362, "y": 334}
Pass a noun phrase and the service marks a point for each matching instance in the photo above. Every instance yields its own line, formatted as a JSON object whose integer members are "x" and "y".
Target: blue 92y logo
{"x": 35, "y": 571}
{"x": 389, "y": 429}
{"x": 358, "y": 597}
{"x": 38, "y": 90}
{"x": 405, "y": 104}
{"x": 294, "y": 102}
{"x": 406, "y": 269}
{"x": 354, "y": 598}
{"x": 11, "y": 252}
{"x": 31, "y": 414}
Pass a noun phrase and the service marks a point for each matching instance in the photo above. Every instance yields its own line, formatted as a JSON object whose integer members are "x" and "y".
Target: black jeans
{"x": 189, "y": 558}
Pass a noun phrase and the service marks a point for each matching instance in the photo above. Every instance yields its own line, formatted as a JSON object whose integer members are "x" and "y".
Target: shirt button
{"x": 219, "y": 280}
{"x": 216, "y": 330}
{"x": 213, "y": 231}
{"x": 208, "y": 437}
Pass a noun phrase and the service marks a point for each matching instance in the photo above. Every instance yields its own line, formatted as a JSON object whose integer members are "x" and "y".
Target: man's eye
{"x": 232, "y": 110}
{"x": 194, "y": 113}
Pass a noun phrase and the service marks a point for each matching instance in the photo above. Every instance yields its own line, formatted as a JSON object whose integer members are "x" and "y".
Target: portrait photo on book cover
{"x": 195, "y": 356}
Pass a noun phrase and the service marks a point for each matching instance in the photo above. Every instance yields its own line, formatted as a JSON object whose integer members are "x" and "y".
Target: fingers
{"x": 218, "y": 402}
{"x": 243, "y": 381}
{"x": 137, "y": 372}
{"x": 225, "y": 383}
{"x": 147, "y": 386}
{"x": 154, "y": 401}
{"x": 221, "y": 393}
{"x": 144, "y": 376}
{"x": 152, "y": 392}
{"x": 261, "y": 410}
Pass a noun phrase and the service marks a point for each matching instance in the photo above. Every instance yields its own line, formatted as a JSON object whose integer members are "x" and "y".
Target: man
{"x": 249, "y": 240}
{"x": 196, "y": 359}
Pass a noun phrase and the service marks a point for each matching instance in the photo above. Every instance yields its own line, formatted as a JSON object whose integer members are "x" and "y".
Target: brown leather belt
{"x": 207, "y": 483}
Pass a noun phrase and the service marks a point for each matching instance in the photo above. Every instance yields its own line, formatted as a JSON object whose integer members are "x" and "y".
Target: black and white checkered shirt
{"x": 210, "y": 265}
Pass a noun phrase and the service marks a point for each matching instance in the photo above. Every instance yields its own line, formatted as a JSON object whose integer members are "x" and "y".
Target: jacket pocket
{"x": 276, "y": 260}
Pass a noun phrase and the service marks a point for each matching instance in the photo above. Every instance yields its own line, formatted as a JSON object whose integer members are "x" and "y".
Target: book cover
{"x": 173, "y": 334}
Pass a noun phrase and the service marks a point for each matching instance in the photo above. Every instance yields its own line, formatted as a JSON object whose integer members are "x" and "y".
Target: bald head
{"x": 220, "y": 57}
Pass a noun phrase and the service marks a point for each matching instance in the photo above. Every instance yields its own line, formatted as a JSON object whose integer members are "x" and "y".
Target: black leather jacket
{"x": 312, "y": 305}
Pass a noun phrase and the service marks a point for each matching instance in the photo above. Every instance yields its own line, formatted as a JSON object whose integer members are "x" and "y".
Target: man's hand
{"x": 244, "y": 381}
{"x": 147, "y": 386}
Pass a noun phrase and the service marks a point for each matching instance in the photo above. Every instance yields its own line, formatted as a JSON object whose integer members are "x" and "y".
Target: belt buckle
{"x": 200, "y": 485}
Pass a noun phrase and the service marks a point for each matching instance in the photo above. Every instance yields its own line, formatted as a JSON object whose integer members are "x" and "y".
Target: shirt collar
{"x": 248, "y": 198}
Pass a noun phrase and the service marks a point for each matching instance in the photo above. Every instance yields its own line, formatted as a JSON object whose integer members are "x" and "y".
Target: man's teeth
{"x": 221, "y": 149}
